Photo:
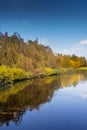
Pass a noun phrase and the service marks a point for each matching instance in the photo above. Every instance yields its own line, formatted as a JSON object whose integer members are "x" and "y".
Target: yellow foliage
{"x": 49, "y": 70}
{"x": 12, "y": 74}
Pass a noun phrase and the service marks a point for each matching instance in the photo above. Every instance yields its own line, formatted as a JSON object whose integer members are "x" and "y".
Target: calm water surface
{"x": 51, "y": 103}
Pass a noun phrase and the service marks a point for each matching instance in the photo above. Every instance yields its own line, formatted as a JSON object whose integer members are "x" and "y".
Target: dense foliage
{"x": 8, "y": 74}
{"x": 34, "y": 57}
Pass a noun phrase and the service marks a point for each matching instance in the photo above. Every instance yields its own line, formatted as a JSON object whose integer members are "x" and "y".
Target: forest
{"x": 18, "y": 57}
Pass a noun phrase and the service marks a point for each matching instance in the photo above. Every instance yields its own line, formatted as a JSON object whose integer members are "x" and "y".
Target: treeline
{"x": 32, "y": 56}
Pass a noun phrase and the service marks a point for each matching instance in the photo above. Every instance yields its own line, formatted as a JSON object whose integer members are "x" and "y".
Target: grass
{"x": 82, "y": 68}
{"x": 50, "y": 71}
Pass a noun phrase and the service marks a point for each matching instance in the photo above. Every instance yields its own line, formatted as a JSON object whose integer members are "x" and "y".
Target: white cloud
{"x": 83, "y": 42}
{"x": 70, "y": 51}
{"x": 44, "y": 41}
{"x": 78, "y": 50}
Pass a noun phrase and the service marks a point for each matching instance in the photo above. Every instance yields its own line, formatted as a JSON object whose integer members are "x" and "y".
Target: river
{"x": 50, "y": 103}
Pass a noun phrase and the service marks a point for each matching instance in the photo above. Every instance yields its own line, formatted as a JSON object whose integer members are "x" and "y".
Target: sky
{"x": 60, "y": 24}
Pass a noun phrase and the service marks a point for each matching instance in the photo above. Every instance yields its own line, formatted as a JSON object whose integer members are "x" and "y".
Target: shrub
{"x": 8, "y": 74}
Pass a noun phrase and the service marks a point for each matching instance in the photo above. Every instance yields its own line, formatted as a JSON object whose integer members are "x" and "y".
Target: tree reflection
{"x": 31, "y": 95}
{"x": 15, "y": 116}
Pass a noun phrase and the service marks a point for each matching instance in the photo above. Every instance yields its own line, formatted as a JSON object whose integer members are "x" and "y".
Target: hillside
{"x": 34, "y": 57}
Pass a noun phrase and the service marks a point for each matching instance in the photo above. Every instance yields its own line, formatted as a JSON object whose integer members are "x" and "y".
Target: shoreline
{"x": 4, "y": 81}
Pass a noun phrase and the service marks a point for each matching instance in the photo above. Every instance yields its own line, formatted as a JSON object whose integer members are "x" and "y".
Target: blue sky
{"x": 61, "y": 24}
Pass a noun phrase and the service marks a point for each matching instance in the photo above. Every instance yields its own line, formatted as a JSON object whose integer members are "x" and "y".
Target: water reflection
{"x": 30, "y": 95}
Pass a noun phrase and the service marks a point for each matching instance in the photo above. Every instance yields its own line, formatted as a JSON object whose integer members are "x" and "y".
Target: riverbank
{"x": 10, "y": 75}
